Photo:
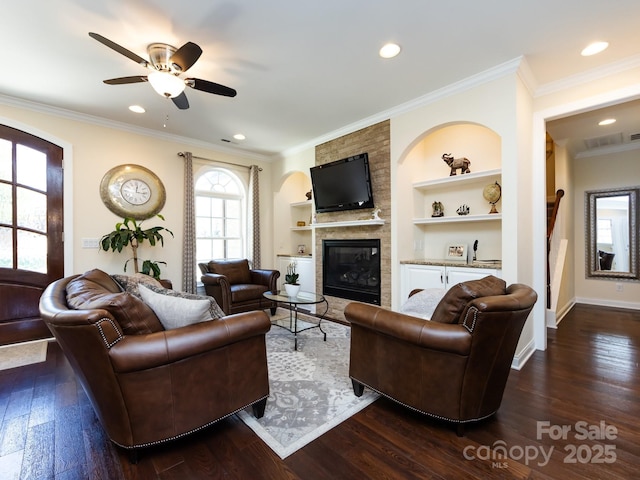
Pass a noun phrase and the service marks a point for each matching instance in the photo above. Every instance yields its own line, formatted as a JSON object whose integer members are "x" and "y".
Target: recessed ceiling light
{"x": 607, "y": 121}
{"x": 595, "y": 47}
{"x": 390, "y": 50}
{"x": 239, "y": 136}
{"x": 137, "y": 109}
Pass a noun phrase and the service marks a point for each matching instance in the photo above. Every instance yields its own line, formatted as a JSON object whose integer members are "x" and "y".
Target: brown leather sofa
{"x": 236, "y": 287}
{"x": 453, "y": 367}
{"x": 149, "y": 385}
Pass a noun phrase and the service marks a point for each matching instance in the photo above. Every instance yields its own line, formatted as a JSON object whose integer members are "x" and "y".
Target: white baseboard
{"x": 520, "y": 358}
{"x": 554, "y": 318}
{"x": 608, "y": 303}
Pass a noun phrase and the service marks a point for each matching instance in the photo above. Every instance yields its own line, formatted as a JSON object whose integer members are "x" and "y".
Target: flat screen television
{"x": 342, "y": 185}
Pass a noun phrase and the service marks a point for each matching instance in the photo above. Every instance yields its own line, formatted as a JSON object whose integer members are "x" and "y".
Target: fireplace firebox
{"x": 351, "y": 269}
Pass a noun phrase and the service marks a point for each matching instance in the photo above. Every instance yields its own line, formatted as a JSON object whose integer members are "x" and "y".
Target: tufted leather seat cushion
{"x": 236, "y": 271}
{"x": 96, "y": 289}
{"x": 454, "y": 301}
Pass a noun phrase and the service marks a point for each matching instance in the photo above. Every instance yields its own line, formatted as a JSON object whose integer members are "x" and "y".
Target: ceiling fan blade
{"x": 186, "y": 56}
{"x": 181, "y": 101}
{"x": 210, "y": 87}
{"x": 121, "y": 50}
{"x": 125, "y": 80}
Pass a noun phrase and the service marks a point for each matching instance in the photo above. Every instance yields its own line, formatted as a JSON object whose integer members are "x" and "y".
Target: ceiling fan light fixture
{"x": 166, "y": 84}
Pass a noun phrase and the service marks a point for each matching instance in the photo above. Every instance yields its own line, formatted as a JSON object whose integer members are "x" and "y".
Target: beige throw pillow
{"x": 173, "y": 311}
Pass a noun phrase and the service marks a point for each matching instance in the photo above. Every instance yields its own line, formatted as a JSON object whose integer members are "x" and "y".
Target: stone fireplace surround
{"x": 374, "y": 140}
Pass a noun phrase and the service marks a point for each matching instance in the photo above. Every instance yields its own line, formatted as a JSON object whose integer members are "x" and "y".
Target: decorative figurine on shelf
{"x": 308, "y": 195}
{"x": 463, "y": 210}
{"x": 374, "y": 214}
{"x": 438, "y": 209}
{"x": 492, "y": 194}
{"x": 475, "y": 250}
{"x": 454, "y": 163}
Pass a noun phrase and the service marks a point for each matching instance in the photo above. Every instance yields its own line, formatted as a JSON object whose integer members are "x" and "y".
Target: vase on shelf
{"x": 292, "y": 289}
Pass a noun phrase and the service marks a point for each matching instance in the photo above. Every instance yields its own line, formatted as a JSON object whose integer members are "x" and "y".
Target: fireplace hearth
{"x": 351, "y": 269}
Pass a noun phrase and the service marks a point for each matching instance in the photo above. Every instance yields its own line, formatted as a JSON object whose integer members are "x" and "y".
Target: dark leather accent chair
{"x": 146, "y": 384}
{"x": 238, "y": 288}
{"x": 453, "y": 367}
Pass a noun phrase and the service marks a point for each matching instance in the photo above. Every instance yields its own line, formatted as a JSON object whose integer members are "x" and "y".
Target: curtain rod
{"x": 181, "y": 154}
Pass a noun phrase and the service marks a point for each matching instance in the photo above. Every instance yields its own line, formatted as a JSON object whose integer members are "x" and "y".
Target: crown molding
{"x": 103, "y": 122}
{"x": 468, "y": 83}
{"x": 604, "y": 71}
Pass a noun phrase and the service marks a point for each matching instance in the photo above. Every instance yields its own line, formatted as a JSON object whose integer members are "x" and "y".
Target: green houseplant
{"x": 130, "y": 233}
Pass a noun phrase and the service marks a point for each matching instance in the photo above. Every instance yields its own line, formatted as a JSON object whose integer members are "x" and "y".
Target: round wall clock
{"x": 132, "y": 191}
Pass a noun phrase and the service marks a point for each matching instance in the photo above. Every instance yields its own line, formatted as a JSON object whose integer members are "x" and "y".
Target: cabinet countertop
{"x": 494, "y": 264}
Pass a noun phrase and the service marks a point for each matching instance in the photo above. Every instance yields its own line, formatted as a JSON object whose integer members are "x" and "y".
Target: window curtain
{"x": 189, "y": 234}
{"x": 254, "y": 216}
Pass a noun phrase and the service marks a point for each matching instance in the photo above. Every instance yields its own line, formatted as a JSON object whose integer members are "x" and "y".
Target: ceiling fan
{"x": 167, "y": 64}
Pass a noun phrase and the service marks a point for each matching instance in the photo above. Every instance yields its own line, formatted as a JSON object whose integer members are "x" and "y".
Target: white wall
{"x": 90, "y": 150}
{"x": 595, "y": 173}
{"x": 565, "y": 226}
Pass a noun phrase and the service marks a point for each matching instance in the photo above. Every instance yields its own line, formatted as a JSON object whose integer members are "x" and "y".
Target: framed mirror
{"x": 611, "y": 237}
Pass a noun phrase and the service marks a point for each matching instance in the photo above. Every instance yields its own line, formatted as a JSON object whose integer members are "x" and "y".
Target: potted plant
{"x": 291, "y": 284}
{"x": 130, "y": 233}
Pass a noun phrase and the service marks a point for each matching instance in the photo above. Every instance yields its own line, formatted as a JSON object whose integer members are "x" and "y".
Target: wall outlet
{"x": 619, "y": 287}
{"x": 90, "y": 243}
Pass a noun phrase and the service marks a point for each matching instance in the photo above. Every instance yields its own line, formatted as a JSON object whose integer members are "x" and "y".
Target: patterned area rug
{"x": 20, "y": 354}
{"x": 310, "y": 389}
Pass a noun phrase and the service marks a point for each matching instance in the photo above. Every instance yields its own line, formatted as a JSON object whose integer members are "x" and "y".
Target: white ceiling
{"x": 302, "y": 69}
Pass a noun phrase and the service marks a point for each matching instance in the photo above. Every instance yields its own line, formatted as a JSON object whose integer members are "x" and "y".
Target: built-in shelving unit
{"x": 458, "y": 219}
{"x": 301, "y": 211}
{"x": 468, "y": 190}
{"x": 458, "y": 180}
{"x": 301, "y": 235}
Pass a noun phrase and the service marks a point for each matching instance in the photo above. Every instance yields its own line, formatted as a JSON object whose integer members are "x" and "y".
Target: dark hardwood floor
{"x": 587, "y": 381}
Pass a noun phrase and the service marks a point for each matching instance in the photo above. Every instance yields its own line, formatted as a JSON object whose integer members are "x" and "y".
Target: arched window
{"x": 220, "y": 219}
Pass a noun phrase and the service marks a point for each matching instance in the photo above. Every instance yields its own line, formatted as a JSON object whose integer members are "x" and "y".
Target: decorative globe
{"x": 492, "y": 194}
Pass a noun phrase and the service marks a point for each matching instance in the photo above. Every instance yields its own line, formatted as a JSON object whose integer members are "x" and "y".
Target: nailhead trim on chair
{"x": 475, "y": 317}
{"x": 175, "y": 437}
{"x": 104, "y": 337}
{"x": 433, "y": 415}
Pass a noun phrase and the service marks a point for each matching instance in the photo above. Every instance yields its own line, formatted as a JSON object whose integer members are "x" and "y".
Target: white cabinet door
{"x": 421, "y": 276}
{"x": 460, "y": 274}
{"x": 305, "y": 267}
{"x": 306, "y": 270}
{"x": 283, "y": 263}
{"x": 438, "y": 276}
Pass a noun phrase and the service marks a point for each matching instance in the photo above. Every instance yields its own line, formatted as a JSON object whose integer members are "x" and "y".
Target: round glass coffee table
{"x": 293, "y": 324}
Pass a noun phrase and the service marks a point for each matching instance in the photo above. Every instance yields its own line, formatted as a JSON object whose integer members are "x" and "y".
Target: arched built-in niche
{"x": 290, "y": 207}
{"x": 424, "y": 178}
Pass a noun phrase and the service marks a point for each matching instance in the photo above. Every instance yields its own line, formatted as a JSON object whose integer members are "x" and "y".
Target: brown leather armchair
{"x": 236, "y": 287}
{"x": 454, "y": 367}
{"x": 155, "y": 385}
